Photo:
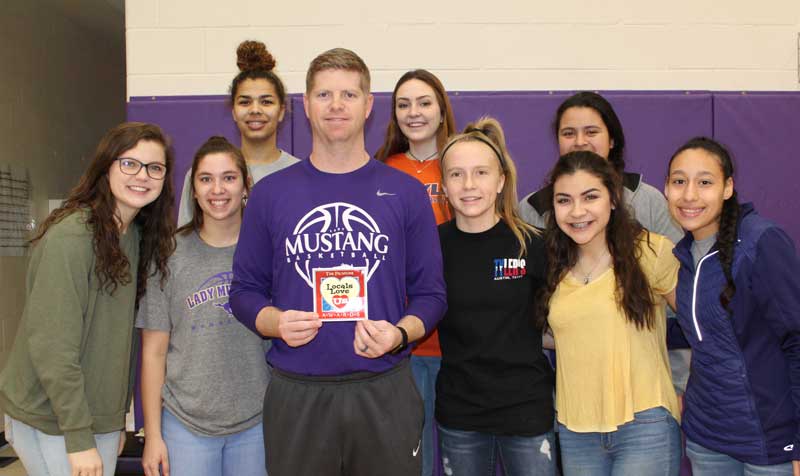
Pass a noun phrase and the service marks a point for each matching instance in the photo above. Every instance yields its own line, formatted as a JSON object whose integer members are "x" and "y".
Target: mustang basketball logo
{"x": 340, "y": 233}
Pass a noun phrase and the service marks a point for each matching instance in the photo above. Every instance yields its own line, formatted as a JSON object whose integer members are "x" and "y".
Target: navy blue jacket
{"x": 743, "y": 395}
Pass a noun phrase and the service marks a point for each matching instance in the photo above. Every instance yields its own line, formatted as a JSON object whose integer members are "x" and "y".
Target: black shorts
{"x": 362, "y": 424}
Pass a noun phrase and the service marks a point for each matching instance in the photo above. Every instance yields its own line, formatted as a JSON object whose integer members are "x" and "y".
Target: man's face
{"x": 336, "y": 106}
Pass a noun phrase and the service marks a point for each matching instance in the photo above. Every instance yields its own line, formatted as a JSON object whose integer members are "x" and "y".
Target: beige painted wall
{"x": 186, "y": 47}
{"x": 62, "y": 86}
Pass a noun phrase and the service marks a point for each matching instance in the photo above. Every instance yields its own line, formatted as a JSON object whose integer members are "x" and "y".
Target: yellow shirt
{"x": 607, "y": 369}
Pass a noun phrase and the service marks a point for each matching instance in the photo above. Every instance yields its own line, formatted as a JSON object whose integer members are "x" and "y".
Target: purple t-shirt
{"x": 300, "y": 219}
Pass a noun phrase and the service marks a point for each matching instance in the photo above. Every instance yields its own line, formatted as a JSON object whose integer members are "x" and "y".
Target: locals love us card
{"x": 340, "y": 294}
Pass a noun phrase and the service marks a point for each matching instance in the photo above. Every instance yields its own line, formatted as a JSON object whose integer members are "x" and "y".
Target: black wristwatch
{"x": 403, "y": 343}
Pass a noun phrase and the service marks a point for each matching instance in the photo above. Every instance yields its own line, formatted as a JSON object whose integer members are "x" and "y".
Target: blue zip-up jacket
{"x": 743, "y": 395}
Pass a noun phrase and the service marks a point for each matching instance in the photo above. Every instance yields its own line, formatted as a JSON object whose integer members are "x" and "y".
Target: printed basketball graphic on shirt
{"x": 341, "y": 234}
{"x": 213, "y": 292}
{"x": 340, "y": 294}
{"x": 509, "y": 268}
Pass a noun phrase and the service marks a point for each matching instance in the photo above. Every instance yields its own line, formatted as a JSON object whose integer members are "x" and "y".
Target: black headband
{"x": 481, "y": 136}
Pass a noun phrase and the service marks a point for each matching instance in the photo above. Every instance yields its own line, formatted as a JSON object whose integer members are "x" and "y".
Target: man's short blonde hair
{"x": 341, "y": 59}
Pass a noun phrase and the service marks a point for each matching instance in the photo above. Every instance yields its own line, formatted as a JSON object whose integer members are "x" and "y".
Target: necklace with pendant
{"x": 588, "y": 276}
{"x": 426, "y": 161}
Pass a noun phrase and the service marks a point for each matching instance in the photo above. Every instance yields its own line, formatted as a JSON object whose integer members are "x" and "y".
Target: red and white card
{"x": 340, "y": 294}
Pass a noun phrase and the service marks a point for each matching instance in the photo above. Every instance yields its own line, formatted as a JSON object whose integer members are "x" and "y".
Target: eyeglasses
{"x": 155, "y": 170}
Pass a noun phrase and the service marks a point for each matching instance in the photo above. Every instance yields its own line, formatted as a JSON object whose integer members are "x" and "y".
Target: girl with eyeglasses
{"x": 67, "y": 384}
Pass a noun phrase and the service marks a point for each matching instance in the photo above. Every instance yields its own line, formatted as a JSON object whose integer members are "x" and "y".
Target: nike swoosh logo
{"x": 383, "y": 194}
{"x": 416, "y": 450}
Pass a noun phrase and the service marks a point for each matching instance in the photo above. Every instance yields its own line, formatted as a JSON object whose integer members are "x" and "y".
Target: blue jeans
{"x": 706, "y": 462}
{"x": 46, "y": 455}
{"x": 650, "y": 445}
{"x": 190, "y": 454}
{"x": 425, "y": 370}
{"x": 473, "y": 453}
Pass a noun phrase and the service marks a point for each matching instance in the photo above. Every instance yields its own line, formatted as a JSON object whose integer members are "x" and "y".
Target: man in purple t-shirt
{"x": 358, "y": 237}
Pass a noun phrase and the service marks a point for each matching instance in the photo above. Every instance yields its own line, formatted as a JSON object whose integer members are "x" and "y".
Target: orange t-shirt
{"x": 430, "y": 174}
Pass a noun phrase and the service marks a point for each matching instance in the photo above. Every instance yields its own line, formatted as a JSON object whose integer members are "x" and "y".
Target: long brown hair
{"x": 395, "y": 141}
{"x": 93, "y": 193}
{"x": 624, "y": 237}
{"x": 489, "y": 131}
{"x": 214, "y": 145}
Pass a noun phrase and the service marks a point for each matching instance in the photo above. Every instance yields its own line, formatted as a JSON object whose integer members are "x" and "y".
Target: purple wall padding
{"x": 755, "y": 126}
{"x": 189, "y": 121}
{"x": 655, "y": 125}
{"x": 760, "y": 130}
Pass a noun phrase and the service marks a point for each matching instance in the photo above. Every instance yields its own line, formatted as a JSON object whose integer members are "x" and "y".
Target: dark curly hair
{"x": 624, "y": 237}
{"x": 729, "y": 220}
{"x": 255, "y": 62}
{"x": 93, "y": 193}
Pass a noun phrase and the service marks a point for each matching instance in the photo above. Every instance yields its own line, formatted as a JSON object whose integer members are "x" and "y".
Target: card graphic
{"x": 340, "y": 294}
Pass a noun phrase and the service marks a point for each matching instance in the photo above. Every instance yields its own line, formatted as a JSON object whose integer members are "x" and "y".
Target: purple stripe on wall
{"x": 189, "y": 121}
{"x": 760, "y": 129}
{"x": 527, "y": 119}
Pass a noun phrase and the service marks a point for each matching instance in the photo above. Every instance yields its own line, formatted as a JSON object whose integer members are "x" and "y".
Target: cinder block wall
{"x": 186, "y": 47}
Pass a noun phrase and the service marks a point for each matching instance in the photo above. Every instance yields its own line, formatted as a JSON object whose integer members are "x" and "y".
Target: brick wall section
{"x": 186, "y": 47}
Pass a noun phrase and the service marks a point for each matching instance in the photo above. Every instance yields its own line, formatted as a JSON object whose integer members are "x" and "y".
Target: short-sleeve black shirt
{"x": 494, "y": 377}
